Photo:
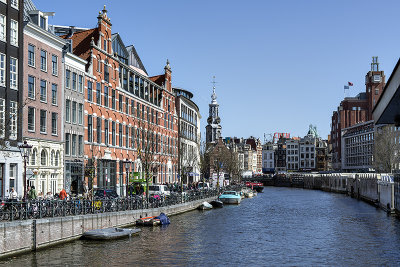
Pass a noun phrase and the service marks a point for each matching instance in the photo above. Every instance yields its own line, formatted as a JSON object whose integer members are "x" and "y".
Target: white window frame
{"x": 54, "y": 98}
{"x": 14, "y": 32}
{"x": 13, "y": 74}
{"x": 43, "y": 128}
{"x": 43, "y": 67}
{"x": 34, "y": 88}
{"x": 31, "y": 62}
{"x": 2, "y": 69}
{"x": 54, "y": 129}
{"x": 3, "y": 28}
{"x": 13, "y": 120}
{"x": 2, "y": 117}
{"x": 43, "y": 99}
{"x": 54, "y": 67}
{"x": 14, "y": 4}
{"x": 34, "y": 122}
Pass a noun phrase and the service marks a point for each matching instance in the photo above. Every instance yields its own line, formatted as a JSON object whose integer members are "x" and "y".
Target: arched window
{"x": 57, "y": 158}
{"x": 52, "y": 158}
{"x": 33, "y": 157}
{"x": 43, "y": 157}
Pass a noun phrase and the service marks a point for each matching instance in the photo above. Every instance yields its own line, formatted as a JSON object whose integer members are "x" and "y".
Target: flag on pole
{"x": 350, "y": 83}
{"x": 346, "y": 87}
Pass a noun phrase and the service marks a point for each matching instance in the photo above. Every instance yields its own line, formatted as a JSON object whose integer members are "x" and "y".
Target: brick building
{"x": 43, "y": 108}
{"x": 354, "y": 110}
{"x": 125, "y": 109}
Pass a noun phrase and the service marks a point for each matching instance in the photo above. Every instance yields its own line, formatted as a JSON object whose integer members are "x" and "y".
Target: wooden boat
{"x": 109, "y": 233}
{"x": 230, "y": 197}
{"x": 148, "y": 221}
{"x": 217, "y": 204}
{"x": 205, "y": 206}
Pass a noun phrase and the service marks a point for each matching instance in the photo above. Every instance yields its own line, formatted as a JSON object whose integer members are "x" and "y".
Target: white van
{"x": 159, "y": 189}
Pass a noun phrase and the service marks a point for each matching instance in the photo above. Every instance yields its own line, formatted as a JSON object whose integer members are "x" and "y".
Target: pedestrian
{"x": 32, "y": 193}
{"x": 63, "y": 194}
{"x": 13, "y": 194}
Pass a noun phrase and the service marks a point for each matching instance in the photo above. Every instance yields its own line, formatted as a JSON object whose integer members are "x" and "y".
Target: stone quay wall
{"x": 29, "y": 235}
{"x": 378, "y": 189}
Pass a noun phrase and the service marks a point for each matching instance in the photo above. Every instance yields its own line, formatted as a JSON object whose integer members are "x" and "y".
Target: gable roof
{"x": 81, "y": 42}
{"x": 28, "y": 6}
{"x": 134, "y": 58}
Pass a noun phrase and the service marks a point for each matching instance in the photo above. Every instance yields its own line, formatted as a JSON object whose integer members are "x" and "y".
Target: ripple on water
{"x": 280, "y": 227}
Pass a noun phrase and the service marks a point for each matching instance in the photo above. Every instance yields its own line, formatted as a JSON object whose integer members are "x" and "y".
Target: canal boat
{"x": 259, "y": 187}
{"x": 230, "y": 197}
{"x": 205, "y": 206}
{"x": 109, "y": 233}
{"x": 162, "y": 219}
{"x": 217, "y": 204}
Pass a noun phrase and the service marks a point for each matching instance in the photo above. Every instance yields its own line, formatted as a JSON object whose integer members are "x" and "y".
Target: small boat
{"x": 109, "y": 233}
{"x": 162, "y": 219}
{"x": 259, "y": 187}
{"x": 205, "y": 206}
{"x": 249, "y": 194}
{"x": 148, "y": 221}
{"x": 230, "y": 197}
{"x": 217, "y": 204}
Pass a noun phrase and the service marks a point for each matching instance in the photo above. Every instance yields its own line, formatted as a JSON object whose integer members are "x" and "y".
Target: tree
{"x": 204, "y": 161}
{"x": 189, "y": 159}
{"x": 386, "y": 149}
{"x": 232, "y": 165}
{"x": 91, "y": 167}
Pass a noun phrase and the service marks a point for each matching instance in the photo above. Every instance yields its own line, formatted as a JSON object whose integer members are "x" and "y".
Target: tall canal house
{"x": 11, "y": 88}
{"x": 124, "y": 109}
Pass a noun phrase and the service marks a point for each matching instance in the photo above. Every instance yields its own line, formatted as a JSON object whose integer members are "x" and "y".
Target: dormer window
{"x": 42, "y": 22}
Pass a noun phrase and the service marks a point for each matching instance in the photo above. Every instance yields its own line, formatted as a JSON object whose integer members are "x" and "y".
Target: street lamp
{"x": 25, "y": 150}
{"x": 127, "y": 165}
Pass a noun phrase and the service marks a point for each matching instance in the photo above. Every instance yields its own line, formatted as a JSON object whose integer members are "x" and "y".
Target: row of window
{"x": 13, "y": 71}
{"x": 13, "y": 30}
{"x": 42, "y": 121}
{"x": 134, "y": 137}
{"x": 54, "y": 158}
{"x": 43, "y": 90}
{"x": 74, "y": 81}
{"x": 43, "y": 59}
{"x": 125, "y": 104}
{"x": 11, "y": 122}
{"x": 73, "y": 144}
{"x": 73, "y": 112}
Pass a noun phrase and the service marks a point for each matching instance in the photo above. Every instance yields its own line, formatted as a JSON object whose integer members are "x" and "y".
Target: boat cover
{"x": 163, "y": 219}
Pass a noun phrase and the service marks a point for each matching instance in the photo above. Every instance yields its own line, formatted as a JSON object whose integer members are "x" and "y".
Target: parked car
{"x": 106, "y": 193}
{"x": 159, "y": 189}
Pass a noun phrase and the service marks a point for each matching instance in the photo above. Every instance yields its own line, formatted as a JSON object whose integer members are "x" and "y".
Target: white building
{"x": 307, "y": 153}
{"x": 292, "y": 155}
{"x": 188, "y": 135}
{"x": 268, "y": 158}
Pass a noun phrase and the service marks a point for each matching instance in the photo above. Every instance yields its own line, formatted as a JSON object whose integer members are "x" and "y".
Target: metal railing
{"x": 13, "y": 210}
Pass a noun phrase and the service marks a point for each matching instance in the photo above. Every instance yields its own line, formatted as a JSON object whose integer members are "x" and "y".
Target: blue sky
{"x": 280, "y": 65}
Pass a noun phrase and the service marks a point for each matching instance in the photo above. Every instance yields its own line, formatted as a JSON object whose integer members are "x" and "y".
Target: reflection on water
{"x": 281, "y": 226}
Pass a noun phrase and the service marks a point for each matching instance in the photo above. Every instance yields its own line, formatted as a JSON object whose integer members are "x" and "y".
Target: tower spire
{"x": 214, "y": 95}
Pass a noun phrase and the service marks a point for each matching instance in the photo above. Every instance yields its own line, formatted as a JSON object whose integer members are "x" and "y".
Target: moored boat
{"x": 230, "y": 197}
{"x": 109, "y": 233}
{"x": 217, "y": 204}
{"x": 259, "y": 187}
{"x": 161, "y": 219}
{"x": 205, "y": 206}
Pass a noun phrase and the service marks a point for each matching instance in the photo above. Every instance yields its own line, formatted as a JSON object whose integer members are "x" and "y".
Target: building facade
{"x": 354, "y": 110}
{"x": 43, "y": 109}
{"x": 188, "y": 136}
{"x": 307, "y": 153}
{"x": 268, "y": 157}
{"x": 127, "y": 113}
{"x": 11, "y": 99}
{"x": 292, "y": 155}
{"x": 358, "y": 147}
{"x": 74, "y": 130}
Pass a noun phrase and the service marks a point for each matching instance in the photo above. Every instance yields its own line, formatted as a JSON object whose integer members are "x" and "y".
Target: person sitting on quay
{"x": 32, "y": 195}
{"x": 13, "y": 196}
{"x": 63, "y": 194}
{"x": 49, "y": 195}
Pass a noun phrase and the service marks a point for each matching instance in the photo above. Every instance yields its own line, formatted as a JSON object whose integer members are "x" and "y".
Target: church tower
{"x": 213, "y": 128}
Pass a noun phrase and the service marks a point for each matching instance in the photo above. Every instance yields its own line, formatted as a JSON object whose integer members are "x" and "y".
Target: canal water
{"x": 282, "y": 226}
